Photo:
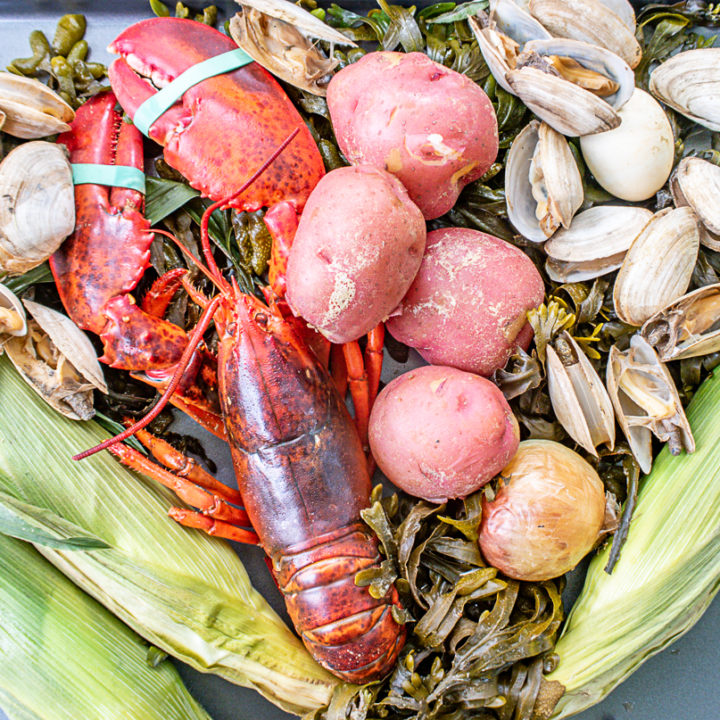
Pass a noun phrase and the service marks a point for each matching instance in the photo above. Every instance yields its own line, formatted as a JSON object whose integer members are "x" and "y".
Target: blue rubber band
{"x": 111, "y": 175}
{"x": 164, "y": 99}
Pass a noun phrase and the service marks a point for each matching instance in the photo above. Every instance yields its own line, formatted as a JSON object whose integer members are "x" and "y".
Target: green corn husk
{"x": 667, "y": 574}
{"x": 63, "y": 656}
{"x": 181, "y": 590}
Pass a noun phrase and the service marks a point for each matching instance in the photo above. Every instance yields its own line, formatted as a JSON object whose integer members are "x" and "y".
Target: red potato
{"x": 467, "y": 306}
{"x": 440, "y": 433}
{"x": 357, "y": 248}
{"x": 432, "y": 127}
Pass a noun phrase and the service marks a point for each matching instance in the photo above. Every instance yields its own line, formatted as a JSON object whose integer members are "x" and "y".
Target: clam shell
{"x": 31, "y": 108}
{"x": 687, "y": 327}
{"x": 689, "y": 82}
{"x": 567, "y": 108}
{"x": 633, "y": 161}
{"x": 37, "y": 205}
{"x": 277, "y": 35}
{"x": 71, "y": 341}
{"x": 696, "y": 182}
{"x": 578, "y": 396}
{"x": 515, "y": 22}
{"x": 590, "y": 21}
{"x": 12, "y": 314}
{"x": 658, "y": 266}
{"x": 538, "y": 149}
{"x": 58, "y": 361}
{"x": 646, "y": 401}
{"x": 595, "y": 243}
{"x": 594, "y": 58}
{"x": 624, "y": 10}
{"x": 494, "y": 53}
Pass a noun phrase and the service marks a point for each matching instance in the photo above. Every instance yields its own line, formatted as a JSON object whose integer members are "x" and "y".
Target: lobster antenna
{"x": 193, "y": 342}
{"x": 205, "y": 220}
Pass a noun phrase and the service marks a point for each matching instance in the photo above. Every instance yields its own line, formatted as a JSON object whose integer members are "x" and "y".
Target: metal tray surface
{"x": 682, "y": 683}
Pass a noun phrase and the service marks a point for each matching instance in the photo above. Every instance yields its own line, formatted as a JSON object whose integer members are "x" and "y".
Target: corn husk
{"x": 185, "y": 592}
{"x": 667, "y": 574}
{"x": 65, "y": 657}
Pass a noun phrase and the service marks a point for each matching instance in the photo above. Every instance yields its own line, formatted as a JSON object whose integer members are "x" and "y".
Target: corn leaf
{"x": 666, "y": 576}
{"x": 184, "y": 592}
{"x": 25, "y": 522}
{"x": 64, "y": 657}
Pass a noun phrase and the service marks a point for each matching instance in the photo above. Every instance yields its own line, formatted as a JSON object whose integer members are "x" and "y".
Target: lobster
{"x": 299, "y": 462}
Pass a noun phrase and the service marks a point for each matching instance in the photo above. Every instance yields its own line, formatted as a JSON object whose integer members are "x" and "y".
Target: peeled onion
{"x": 546, "y": 516}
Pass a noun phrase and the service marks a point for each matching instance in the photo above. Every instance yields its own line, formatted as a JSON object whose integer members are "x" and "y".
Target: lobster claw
{"x": 225, "y": 126}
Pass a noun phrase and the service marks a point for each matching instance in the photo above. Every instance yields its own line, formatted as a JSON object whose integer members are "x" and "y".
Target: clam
{"x": 689, "y": 82}
{"x": 595, "y": 243}
{"x": 277, "y": 35}
{"x": 633, "y": 161}
{"x": 696, "y": 182}
{"x": 591, "y": 21}
{"x": 12, "y": 315}
{"x": 37, "y": 205}
{"x": 646, "y": 401}
{"x": 31, "y": 109}
{"x": 58, "y": 361}
{"x": 579, "y": 399}
{"x": 658, "y": 266}
{"x": 543, "y": 186}
{"x": 687, "y": 327}
{"x": 574, "y": 87}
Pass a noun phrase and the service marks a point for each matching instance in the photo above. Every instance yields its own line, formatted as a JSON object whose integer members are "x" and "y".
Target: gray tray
{"x": 679, "y": 684}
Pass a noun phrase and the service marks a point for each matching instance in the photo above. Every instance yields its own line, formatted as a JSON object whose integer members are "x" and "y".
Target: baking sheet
{"x": 682, "y": 683}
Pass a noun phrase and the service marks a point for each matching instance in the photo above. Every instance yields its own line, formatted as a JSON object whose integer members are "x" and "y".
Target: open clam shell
{"x": 689, "y": 82}
{"x": 696, "y": 183}
{"x": 32, "y": 110}
{"x": 591, "y": 57}
{"x": 278, "y": 35}
{"x": 687, "y": 327}
{"x": 578, "y": 396}
{"x": 58, "y": 361}
{"x": 37, "y": 205}
{"x": 646, "y": 401}
{"x": 543, "y": 186}
{"x": 592, "y": 22}
{"x": 595, "y": 243}
{"x": 12, "y": 315}
{"x": 658, "y": 266}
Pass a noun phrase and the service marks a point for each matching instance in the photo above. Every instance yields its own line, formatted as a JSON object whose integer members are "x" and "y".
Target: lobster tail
{"x": 347, "y": 631}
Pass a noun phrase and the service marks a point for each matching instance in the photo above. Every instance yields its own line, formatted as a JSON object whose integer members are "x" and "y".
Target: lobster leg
{"x": 185, "y": 467}
{"x": 218, "y": 528}
{"x": 210, "y": 504}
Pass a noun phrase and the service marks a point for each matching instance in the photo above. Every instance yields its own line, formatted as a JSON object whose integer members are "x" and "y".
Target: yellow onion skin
{"x": 547, "y": 514}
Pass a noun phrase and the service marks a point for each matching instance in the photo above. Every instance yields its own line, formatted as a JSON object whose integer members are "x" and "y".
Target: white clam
{"x": 543, "y": 186}
{"x": 37, "y": 205}
{"x": 658, "y": 266}
{"x": 689, "y": 82}
{"x": 592, "y": 22}
{"x": 633, "y": 161}
{"x": 579, "y": 399}
{"x": 12, "y": 315}
{"x": 595, "y": 243}
{"x": 58, "y": 361}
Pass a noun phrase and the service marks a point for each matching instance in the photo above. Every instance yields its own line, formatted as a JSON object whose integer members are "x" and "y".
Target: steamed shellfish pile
{"x": 571, "y": 64}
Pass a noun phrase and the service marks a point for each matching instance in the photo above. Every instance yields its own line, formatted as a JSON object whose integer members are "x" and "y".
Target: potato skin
{"x": 440, "y": 433}
{"x": 358, "y": 246}
{"x": 467, "y": 305}
{"x": 432, "y": 127}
